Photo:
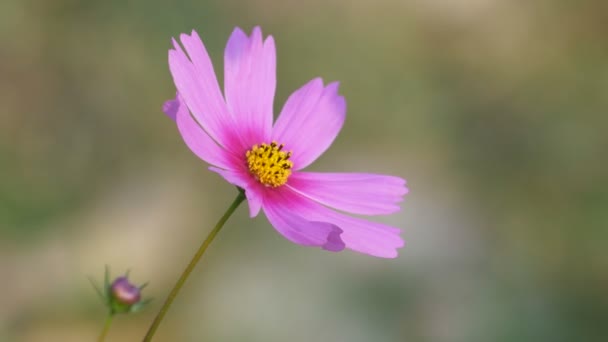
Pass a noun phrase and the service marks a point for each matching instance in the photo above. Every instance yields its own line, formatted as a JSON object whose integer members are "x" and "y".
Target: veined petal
{"x": 254, "y": 191}
{"x": 360, "y": 235}
{"x": 280, "y": 212}
{"x": 249, "y": 83}
{"x": 310, "y": 121}
{"x": 195, "y": 137}
{"x": 195, "y": 80}
{"x": 358, "y": 193}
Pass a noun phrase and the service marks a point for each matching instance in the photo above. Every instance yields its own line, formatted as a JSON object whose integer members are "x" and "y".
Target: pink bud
{"x": 125, "y": 292}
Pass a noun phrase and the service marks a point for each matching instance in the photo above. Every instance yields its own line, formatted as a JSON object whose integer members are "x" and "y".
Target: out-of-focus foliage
{"x": 494, "y": 110}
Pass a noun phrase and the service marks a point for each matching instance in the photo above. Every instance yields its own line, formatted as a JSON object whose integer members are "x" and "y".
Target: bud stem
{"x": 106, "y": 327}
{"x": 199, "y": 253}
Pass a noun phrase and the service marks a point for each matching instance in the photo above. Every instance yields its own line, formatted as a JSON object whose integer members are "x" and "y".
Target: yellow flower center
{"x": 269, "y": 164}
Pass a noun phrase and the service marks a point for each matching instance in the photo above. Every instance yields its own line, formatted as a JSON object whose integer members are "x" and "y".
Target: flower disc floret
{"x": 269, "y": 164}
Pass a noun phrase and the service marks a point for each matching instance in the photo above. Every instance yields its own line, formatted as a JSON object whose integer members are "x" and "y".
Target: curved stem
{"x": 182, "y": 279}
{"x": 106, "y": 327}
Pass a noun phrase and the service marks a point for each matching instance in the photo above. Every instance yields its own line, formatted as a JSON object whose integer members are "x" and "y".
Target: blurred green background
{"x": 493, "y": 110}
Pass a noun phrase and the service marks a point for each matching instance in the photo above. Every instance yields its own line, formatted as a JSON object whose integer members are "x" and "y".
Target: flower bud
{"x": 124, "y": 292}
{"x": 120, "y": 295}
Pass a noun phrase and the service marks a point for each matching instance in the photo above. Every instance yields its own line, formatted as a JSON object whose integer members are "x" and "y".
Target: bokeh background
{"x": 493, "y": 110}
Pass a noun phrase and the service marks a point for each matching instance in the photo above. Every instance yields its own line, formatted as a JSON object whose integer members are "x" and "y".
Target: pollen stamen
{"x": 269, "y": 164}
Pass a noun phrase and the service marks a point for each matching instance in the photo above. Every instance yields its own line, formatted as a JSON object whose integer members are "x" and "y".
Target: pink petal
{"x": 195, "y": 137}
{"x": 358, "y": 193}
{"x": 359, "y": 235}
{"x": 249, "y": 84}
{"x": 295, "y": 228}
{"x": 170, "y": 107}
{"x": 195, "y": 81}
{"x": 310, "y": 121}
{"x": 254, "y": 191}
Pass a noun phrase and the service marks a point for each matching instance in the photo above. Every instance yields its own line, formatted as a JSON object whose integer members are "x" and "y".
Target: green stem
{"x": 182, "y": 279}
{"x": 106, "y": 327}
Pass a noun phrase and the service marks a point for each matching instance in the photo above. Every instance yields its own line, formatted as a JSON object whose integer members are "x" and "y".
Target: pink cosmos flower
{"x": 236, "y": 135}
